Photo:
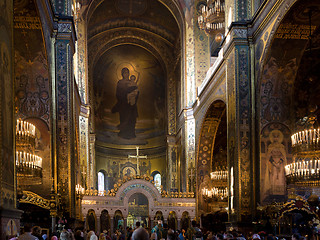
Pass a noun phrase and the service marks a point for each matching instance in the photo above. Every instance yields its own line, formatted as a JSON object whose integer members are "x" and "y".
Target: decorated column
{"x": 84, "y": 144}
{"x": 172, "y": 183}
{"x": 65, "y": 133}
{"x": 91, "y": 170}
{"x": 240, "y": 115}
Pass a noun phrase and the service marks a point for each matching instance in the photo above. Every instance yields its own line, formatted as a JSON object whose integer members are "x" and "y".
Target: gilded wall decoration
{"x": 32, "y": 91}
{"x": 6, "y": 106}
{"x": 205, "y": 158}
{"x": 64, "y": 113}
{"x": 245, "y": 141}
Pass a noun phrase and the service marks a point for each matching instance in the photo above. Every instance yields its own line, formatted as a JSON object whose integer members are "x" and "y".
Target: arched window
{"x": 157, "y": 181}
{"x": 101, "y": 187}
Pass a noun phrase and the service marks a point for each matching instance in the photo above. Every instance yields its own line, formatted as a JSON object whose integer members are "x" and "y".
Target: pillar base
{"x": 10, "y": 222}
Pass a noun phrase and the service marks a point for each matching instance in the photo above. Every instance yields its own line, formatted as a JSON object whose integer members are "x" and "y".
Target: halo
{"x": 128, "y": 65}
{"x": 278, "y": 132}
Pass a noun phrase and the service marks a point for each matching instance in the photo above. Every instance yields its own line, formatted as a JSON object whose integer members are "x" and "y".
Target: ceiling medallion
{"x": 132, "y": 7}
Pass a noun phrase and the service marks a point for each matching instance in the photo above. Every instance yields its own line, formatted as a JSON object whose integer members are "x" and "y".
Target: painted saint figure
{"x": 127, "y": 96}
{"x": 276, "y": 160}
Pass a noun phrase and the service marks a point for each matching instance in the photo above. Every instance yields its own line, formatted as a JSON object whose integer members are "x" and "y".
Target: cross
{"x": 24, "y": 33}
{"x": 62, "y": 124}
{"x": 137, "y": 157}
{"x": 191, "y": 178}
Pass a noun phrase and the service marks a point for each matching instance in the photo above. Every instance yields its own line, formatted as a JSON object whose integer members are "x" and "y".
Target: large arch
{"x": 281, "y": 77}
{"x": 214, "y": 119}
{"x": 173, "y": 6}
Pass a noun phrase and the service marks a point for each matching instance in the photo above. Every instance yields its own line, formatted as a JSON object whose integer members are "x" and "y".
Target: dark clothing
{"x": 128, "y": 112}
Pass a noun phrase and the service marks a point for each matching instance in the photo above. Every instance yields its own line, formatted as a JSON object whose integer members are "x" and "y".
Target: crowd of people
{"x": 159, "y": 232}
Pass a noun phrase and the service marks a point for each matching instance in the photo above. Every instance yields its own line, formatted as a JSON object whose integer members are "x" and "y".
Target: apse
{"x": 132, "y": 111}
{"x": 134, "y": 73}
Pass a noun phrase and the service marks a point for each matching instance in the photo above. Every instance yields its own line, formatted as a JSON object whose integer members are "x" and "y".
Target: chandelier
{"x": 305, "y": 170}
{"x": 218, "y": 190}
{"x": 212, "y": 18}
{"x": 29, "y": 165}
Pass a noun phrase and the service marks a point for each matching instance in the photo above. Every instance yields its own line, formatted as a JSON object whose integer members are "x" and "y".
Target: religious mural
{"x": 129, "y": 87}
{"x": 32, "y": 86}
{"x": 275, "y": 154}
{"x": 31, "y": 67}
{"x": 279, "y": 106}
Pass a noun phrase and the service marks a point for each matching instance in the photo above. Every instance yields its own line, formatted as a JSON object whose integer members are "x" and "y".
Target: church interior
{"x": 118, "y": 111}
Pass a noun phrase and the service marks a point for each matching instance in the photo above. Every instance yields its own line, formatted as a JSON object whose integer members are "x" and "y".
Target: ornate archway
{"x": 286, "y": 89}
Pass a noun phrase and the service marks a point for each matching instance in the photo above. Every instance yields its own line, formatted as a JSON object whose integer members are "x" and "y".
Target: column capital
{"x": 65, "y": 30}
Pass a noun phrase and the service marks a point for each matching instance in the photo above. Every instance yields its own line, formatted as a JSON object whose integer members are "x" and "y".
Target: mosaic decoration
{"x": 80, "y": 59}
{"x": 84, "y": 148}
{"x": 190, "y": 67}
{"x": 202, "y": 52}
{"x": 190, "y": 151}
{"x": 231, "y": 116}
{"x": 243, "y": 79}
{"x": 32, "y": 98}
{"x": 62, "y": 7}
{"x": 65, "y": 135}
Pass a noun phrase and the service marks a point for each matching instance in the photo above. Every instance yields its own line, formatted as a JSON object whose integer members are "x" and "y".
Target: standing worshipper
{"x": 27, "y": 234}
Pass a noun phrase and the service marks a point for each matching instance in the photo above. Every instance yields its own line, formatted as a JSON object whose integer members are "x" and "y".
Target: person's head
{"x": 90, "y": 233}
{"x": 154, "y": 236}
{"x": 270, "y": 237}
{"x": 137, "y": 224}
{"x": 102, "y": 236}
{"x": 133, "y": 78}
{"x": 78, "y": 233}
{"x": 140, "y": 234}
{"x": 125, "y": 73}
{"x": 219, "y": 236}
{"x": 36, "y": 231}
{"x": 27, "y": 228}
{"x": 194, "y": 223}
{"x": 171, "y": 235}
{"x": 296, "y": 236}
{"x": 64, "y": 235}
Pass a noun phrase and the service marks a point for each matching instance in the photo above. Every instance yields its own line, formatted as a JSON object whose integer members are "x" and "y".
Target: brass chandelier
{"x": 218, "y": 188}
{"x": 212, "y": 18}
{"x": 28, "y": 164}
